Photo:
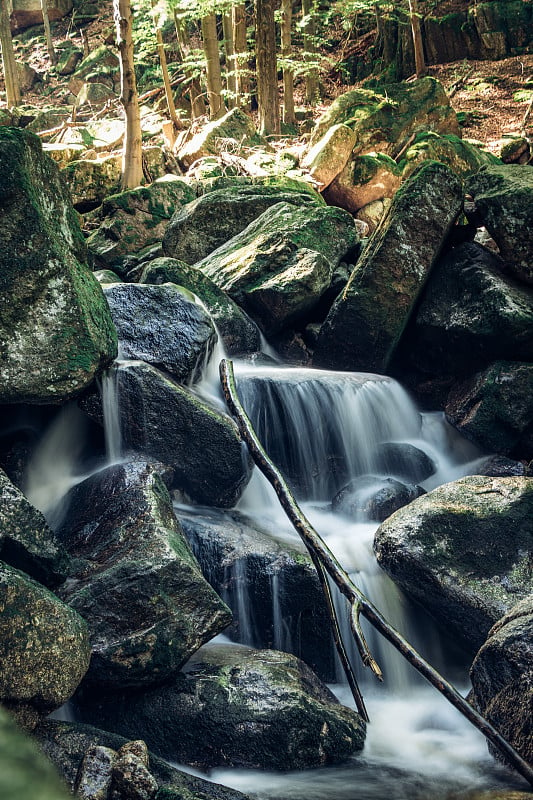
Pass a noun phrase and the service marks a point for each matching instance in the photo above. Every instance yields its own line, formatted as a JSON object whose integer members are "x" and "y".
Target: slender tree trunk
{"x": 420, "y": 63}
{"x": 198, "y": 107}
{"x": 9, "y": 66}
{"x": 47, "y": 33}
{"x": 240, "y": 48}
{"x": 288, "y": 78}
{"x": 132, "y": 171}
{"x": 309, "y": 36}
{"x": 231, "y": 84}
{"x": 164, "y": 69}
{"x": 267, "y": 75}
{"x": 212, "y": 66}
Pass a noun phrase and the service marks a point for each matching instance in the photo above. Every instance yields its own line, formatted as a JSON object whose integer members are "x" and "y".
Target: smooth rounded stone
{"x": 279, "y": 267}
{"x": 238, "y": 332}
{"x": 55, "y": 329}
{"x": 376, "y": 498}
{"x": 365, "y": 179}
{"x": 202, "y": 444}
{"x": 136, "y": 218}
{"x": 24, "y": 771}
{"x": 26, "y": 540}
{"x": 364, "y": 326}
{"x": 44, "y": 647}
{"x": 462, "y": 551}
{"x": 212, "y": 219}
{"x": 271, "y": 586}
{"x": 132, "y": 779}
{"x": 494, "y": 408}
{"x": 93, "y": 781}
{"x": 328, "y": 157}
{"x": 236, "y": 707}
{"x": 502, "y": 678}
{"x": 471, "y": 313}
{"x": 500, "y": 467}
{"x": 162, "y": 326}
{"x": 137, "y": 582}
{"x": 503, "y": 202}
{"x": 65, "y": 744}
{"x": 404, "y": 461}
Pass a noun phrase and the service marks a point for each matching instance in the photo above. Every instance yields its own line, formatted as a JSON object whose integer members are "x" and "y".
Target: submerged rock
{"x": 462, "y": 551}
{"x": 370, "y": 497}
{"x": 162, "y": 326}
{"x": 240, "y": 707}
{"x": 136, "y": 580}
{"x": 55, "y": 329}
{"x": 404, "y": 461}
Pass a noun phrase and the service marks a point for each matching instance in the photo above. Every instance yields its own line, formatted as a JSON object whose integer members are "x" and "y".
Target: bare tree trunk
{"x": 198, "y": 107}
{"x": 212, "y": 66}
{"x": 309, "y": 36}
{"x": 164, "y": 69}
{"x": 240, "y": 49}
{"x": 132, "y": 171}
{"x": 267, "y": 75}
{"x": 231, "y": 74}
{"x": 47, "y": 33}
{"x": 9, "y": 66}
{"x": 288, "y": 78}
{"x": 420, "y": 63}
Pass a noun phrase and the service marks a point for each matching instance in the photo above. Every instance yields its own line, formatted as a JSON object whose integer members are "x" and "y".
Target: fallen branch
{"x": 360, "y": 605}
{"x": 456, "y": 85}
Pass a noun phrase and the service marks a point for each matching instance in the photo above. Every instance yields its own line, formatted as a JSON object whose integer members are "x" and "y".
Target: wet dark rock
{"x": 370, "y": 497}
{"x": 494, "y": 408}
{"x": 404, "y": 461}
{"x": 236, "y": 706}
{"x": 271, "y": 586}
{"x": 502, "y": 678}
{"x": 44, "y": 647}
{"x": 137, "y": 582}
{"x": 167, "y": 422}
{"x": 238, "y": 332}
{"x": 501, "y": 467}
{"x": 163, "y": 326}
{"x": 26, "y": 541}
{"x": 132, "y": 779}
{"x": 95, "y": 773}
{"x": 463, "y": 551}
{"x": 364, "y": 326}
{"x": 208, "y": 222}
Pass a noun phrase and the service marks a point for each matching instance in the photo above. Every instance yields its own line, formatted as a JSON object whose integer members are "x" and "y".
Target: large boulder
{"x": 56, "y": 333}
{"x": 503, "y": 202}
{"x": 236, "y": 706}
{"x": 330, "y": 154}
{"x": 26, "y": 541}
{"x": 365, "y": 324}
{"x": 279, "y": 267}
{"x": 238, "y": 332}
{"x": 235, "y": 129}
{"x": 502, "y": 678}
{"x": 365, "y": 179}
{"x": 461, "y": 156}
{"x": 137, "y": 582}
{"x": 44, "y": 648}
{"x": 208, "y": 222}
{"x": 494, "y": 408}
{"x": 162, "y": 326}
{"x": 91, "y": 180}
{"x": 471, "y": 314}
{"x": 165, "y": 421}
{"x": 29, "y": 12}
{"x": 135, "y": 219}
{"x": 462, "y": 551}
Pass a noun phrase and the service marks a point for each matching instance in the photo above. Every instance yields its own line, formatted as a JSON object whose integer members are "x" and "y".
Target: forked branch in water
{"x": 326, "y": 562}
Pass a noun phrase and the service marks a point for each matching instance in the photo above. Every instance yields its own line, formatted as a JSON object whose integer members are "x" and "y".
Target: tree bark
{"x": 360, "y": 605}
{"x": 229, "y": 49}
{"x": 212, "y": 66}
{"x": 267, "y": 75}
{"x": 9, "y": 66}
{"x": 164, "y": 70}
{"x": 241, "y": 55}
{"x": 309, "y": 36}
{"x": 132, "y": 171}
{"x": 47, "y": 33}
{"x": 420, "y": 63}
{"x": 198, "y": 107}
{"x": 288, "y": 77}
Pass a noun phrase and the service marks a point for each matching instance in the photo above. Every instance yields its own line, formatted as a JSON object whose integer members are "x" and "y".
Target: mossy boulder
{"x": 91, "y": 180}
{"x": 137, "y": 582}
{"x": 462, "y": 157}
{"x": 44, "y": 647}
{"x": 56, "y": 331}
{"x": 494, "y": 408}
{"x": 233, "y": 129}
{"x": 329, "y": 155}
{"x": 279, "y": 267}
{"x": 364, "y": 179}
{"x": 26, "y": 541}
{"x": 134, "y": 219}
{"x": 239, "y": 334}
{"x": 200, "y": 227}
{"x": 100, "y": 66}
{"x": 236, "y": 707}
{"x": 364, "y": 326}
{"x": 503, "y": 201}
{"x": 463, "y": 551}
